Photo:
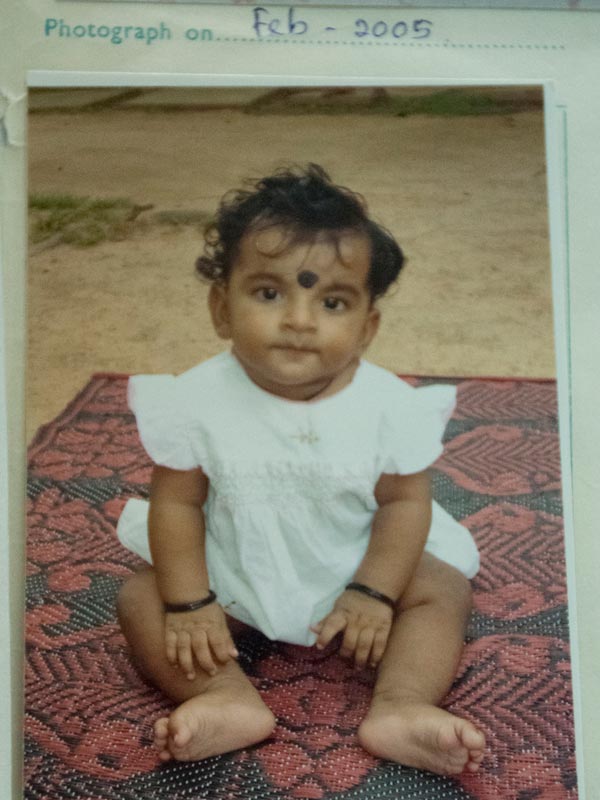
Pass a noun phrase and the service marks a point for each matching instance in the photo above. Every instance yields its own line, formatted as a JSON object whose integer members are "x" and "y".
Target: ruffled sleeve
{"x": 412, "y": 427}
{"x": 157, "y": 402}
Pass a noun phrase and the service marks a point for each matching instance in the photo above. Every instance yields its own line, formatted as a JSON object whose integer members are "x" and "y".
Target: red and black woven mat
{"x": 89, "y": 714}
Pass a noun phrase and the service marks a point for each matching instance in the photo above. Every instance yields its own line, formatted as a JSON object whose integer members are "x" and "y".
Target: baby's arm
{"x": 177, "y": 544}
{"x": 398, "y": 536}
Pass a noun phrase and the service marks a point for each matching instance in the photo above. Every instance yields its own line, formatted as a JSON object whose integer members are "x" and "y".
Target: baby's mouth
{"x": 294, "y": 348}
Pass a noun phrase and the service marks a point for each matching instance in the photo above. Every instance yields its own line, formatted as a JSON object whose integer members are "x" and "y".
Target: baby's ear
{"x": 218, "y": 305}
{"x": 371, "y": 326}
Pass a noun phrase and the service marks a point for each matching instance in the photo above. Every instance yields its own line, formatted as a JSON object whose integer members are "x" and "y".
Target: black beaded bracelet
{"x": 383, "y": 598}
{"x": 179, "y": 608}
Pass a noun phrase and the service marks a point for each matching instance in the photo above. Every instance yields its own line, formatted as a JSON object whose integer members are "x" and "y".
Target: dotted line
{"x": 370, "y": 43}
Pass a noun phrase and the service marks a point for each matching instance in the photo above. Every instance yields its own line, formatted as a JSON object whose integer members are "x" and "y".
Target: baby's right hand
{"x": 198, "y": 637}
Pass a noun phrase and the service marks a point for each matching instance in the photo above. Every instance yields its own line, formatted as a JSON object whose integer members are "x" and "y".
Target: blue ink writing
{"x": 267, "y": 25}
{"x": 420, "y": 29}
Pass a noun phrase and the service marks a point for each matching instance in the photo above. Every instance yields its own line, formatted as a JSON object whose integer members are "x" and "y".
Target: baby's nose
{"x": 300, "y": 314}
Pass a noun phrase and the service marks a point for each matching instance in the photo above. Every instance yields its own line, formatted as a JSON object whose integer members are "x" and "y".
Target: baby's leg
{"x": 418, "y": 668}
{"x": 216, "y": 714}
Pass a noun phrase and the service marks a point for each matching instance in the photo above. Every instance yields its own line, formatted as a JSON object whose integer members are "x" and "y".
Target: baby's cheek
{"x": 344, "y": 343}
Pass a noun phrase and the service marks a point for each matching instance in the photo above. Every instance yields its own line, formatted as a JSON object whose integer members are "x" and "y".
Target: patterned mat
{"x": 89, "y": 714}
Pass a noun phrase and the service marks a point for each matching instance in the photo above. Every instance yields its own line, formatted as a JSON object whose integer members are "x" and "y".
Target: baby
{"x": 291, "y": 492}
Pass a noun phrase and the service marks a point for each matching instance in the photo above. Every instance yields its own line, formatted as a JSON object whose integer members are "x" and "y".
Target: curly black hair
{"x": 306, "y": 202}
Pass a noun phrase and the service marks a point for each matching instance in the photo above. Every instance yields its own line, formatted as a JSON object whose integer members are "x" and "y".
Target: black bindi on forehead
{"x": 307, "y": 278}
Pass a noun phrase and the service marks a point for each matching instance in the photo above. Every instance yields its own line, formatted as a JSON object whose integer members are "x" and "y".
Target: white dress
{"x": 291, "y": 484}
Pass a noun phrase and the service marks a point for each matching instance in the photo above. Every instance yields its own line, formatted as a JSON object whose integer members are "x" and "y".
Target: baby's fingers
{"x": 328, "y": 628}
{"x": 202, "y": 652}
{"x": 379, "y": 645}
{"x": 223, "y": 648}
{"x": 363, "y": 647}
{"x": 171, "y": 646}
{"x": 348, "y": 646}
{"x": 184, "y": 654}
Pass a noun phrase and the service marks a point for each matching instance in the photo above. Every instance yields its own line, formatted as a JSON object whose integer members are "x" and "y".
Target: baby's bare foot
{"x": 422, "y": 736}
{"x": 225, "y": 717}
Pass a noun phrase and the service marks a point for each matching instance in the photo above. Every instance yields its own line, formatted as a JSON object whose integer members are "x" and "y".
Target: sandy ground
{"x": 465, "y": 196}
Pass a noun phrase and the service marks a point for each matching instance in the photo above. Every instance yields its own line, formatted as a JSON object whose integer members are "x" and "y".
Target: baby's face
{"x": 299, "y": 316}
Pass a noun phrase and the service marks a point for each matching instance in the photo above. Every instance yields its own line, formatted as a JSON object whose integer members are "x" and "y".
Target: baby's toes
{"x": 180, "y": 733}
{"x": 472, "y": 738}
{"x": 475, "y": 759}
{"x": 161, "y": 730}
{"x": 161, "y": 738}
{"x": 450, "y": 742}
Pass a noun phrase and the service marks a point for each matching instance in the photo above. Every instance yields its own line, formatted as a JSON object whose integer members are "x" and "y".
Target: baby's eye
{"x": 267, "y": 293}
{"x": 334, "y": 304}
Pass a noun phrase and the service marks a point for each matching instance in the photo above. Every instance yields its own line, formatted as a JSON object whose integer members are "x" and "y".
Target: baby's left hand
{"x": 366, "y": 624}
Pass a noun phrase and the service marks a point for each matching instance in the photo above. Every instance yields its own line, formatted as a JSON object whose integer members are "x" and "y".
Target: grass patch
{"x": 83, "y": 221}
{"x": 445, "y": 103}
{"x": 79, "y": 221}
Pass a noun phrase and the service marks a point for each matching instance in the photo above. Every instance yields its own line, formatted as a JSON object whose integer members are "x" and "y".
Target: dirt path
{"x": 465, "y": 197}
